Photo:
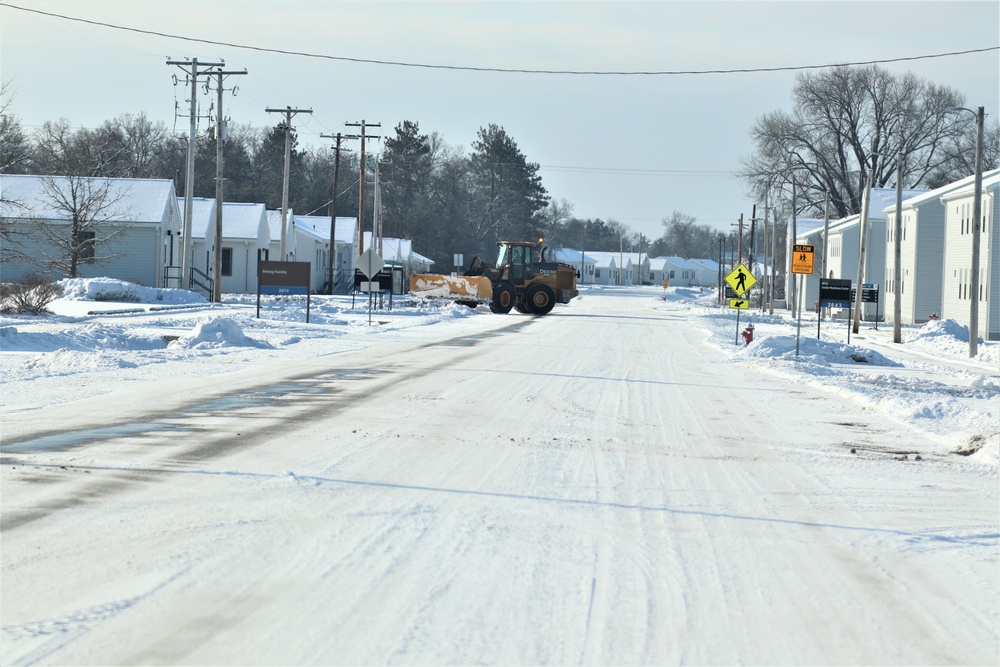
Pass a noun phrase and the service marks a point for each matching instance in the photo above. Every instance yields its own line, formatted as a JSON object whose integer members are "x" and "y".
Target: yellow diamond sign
{"x": 740, "y": 279}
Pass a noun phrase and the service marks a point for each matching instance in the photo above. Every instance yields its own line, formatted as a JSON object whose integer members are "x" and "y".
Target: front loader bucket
{"x": 434, "y": 285}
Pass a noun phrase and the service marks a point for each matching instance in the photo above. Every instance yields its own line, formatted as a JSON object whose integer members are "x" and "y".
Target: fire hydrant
{"x": 748, "y": 334}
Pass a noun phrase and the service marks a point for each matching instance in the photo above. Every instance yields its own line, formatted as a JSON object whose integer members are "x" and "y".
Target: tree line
{"x": 847, "y": 124}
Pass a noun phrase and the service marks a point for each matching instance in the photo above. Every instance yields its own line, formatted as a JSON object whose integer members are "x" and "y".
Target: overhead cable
{"x": 501, "y": 70}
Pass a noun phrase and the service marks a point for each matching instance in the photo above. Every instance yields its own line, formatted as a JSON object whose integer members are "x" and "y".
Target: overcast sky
{"x": 631, "y": 148}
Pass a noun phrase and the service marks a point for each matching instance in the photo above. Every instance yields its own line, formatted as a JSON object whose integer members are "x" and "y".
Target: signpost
{"x": 869, "y": 294}
{"x": 834, "y": 293}
{"x": 802, "y": 259}
{"x": 283, "y": 278}
{"x": 739, "y": 280}
{"x": 802, "y": 264}
{"x": 370, "y": 263}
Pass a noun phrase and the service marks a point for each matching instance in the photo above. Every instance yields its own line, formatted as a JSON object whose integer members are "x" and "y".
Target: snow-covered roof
{"x": 136, "y": 200}
{"x": 679, "y": 262}
{"x": 570, "y": 256}
{"x": 882, "y": 198}
{"x": 604, "y": 258}
{"x": 808, "y": 227}
{"x": 709, "y": 264}
{"x": 931, "y": 195}
{"x": 990, "y": 180}
{"x": 202, "y": 215}
{"x": 393, "y": 249}
{"x": 319, "y": 225}
{"x": 239, "y": 221}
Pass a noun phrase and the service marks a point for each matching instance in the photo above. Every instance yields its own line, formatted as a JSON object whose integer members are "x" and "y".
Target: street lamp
{"x": 977, "y": 214}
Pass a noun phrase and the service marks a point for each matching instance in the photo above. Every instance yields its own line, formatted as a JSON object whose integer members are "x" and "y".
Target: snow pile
{"x": 215, "y": 333}
{"x": 815, "y": 351}
{"x": 950, "y": 338}
{"x": 108, "y": 289}
{"x": 87, "y": 338}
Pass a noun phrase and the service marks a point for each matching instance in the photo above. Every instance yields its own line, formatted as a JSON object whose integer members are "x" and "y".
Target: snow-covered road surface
{"x": 603, "y": 485}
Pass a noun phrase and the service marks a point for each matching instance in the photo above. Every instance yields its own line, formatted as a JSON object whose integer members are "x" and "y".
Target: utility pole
{"x": 192, "y": 75}
{"x": 333, "y": 206}
{"x": 220, "y": 138}
{"x": 361, "y": 190}
{"x": 774, "y": 264}
{"x": 289, "y": 112}
{"x": 763, "y": 243}
{"x": 977, "y": 227}
{"x": 739, "y": 243}
{"x": 822, "y": 258}
{"x": 897, "y": 253}
{"x": 865, "y": 204}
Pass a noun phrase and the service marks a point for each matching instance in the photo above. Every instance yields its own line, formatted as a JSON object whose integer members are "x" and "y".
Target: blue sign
{"x": 283, "y": 289}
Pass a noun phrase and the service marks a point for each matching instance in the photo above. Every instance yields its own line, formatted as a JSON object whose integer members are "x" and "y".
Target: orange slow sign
{"x": 802, "y": 259}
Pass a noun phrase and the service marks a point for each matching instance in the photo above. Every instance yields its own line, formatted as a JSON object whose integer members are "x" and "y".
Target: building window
{"x": 84, "y": 242}
{"x": 227, "y": 261}
{"x": 597, "y": 273}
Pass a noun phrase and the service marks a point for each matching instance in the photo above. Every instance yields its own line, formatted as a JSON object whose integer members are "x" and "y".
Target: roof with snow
{"x": 709, "y": 264}
{"x": 604, "y": 258}
{"x": 319, "y": 226}
{"x": 570, "y": 256}
{"x": 679, "y": 262}
{"x": 931, "y": 195}
{"x": 990, "y": 179}
{"x": 135, "y": 200}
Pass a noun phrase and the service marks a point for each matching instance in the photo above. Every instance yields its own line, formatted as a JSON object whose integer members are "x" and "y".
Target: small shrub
{"x": 31, "y": 294}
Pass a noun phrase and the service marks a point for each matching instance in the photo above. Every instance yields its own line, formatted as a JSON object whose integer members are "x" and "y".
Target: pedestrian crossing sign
{"x": 739, "y": 304}
{"x": 740, "y": 279}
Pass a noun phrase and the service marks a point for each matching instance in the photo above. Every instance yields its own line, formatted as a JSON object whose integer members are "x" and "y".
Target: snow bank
{"x": 108, "y": 289}
{"x": 815, "y": 351}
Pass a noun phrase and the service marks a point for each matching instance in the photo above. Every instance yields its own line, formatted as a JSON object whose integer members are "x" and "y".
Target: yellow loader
{"x": 516, "y": 282}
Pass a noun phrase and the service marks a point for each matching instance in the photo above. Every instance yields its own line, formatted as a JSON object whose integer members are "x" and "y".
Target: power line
{"x": 637, "y": 172}
{"x": 502, "y": 70}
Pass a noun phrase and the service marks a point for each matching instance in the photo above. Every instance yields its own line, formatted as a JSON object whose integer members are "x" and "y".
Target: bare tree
{"x": 847, "y": 122}
{"x": 92, "y": 219}
{"x": 131, "y": 146}
{"x": 14, "y": 147}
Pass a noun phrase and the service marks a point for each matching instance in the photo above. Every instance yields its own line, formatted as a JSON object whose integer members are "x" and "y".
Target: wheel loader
{"x": 517, "y": 281}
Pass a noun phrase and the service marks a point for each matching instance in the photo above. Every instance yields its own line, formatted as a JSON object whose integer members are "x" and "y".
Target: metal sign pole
{"x": 798, "y": 329}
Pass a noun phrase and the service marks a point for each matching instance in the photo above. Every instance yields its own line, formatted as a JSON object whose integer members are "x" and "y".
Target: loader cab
{"x": 517, "y": 257}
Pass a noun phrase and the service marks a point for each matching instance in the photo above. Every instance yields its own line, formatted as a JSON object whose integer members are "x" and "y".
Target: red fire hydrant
{"x": 748, "y": 334}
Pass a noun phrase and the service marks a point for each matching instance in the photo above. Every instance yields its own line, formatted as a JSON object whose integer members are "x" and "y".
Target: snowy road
{"x": 598, "y": 486}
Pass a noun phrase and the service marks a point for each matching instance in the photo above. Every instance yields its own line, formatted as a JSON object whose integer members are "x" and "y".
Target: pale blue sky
{"x": 629, "y": 148}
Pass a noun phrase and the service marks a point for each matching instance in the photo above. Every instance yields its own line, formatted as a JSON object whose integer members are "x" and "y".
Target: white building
{"x": 922, "y": 244}
{"x": 610, "y": 268}
{"x": 957, "y": 297}
{"x": 843, "y": 248}
{"x": 582, "y": 262}
{"x": 137, "y": 233}
{"x": 245, "y": 238}
{"x": 706, "y": 272}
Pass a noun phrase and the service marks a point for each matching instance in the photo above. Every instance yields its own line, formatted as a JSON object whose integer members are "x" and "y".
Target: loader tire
{"x": 504, "y": 297}
{"x": 539, "y": 298}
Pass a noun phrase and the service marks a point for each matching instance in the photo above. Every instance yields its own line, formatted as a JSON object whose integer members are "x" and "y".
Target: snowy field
{"x": 622, "y": 481}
